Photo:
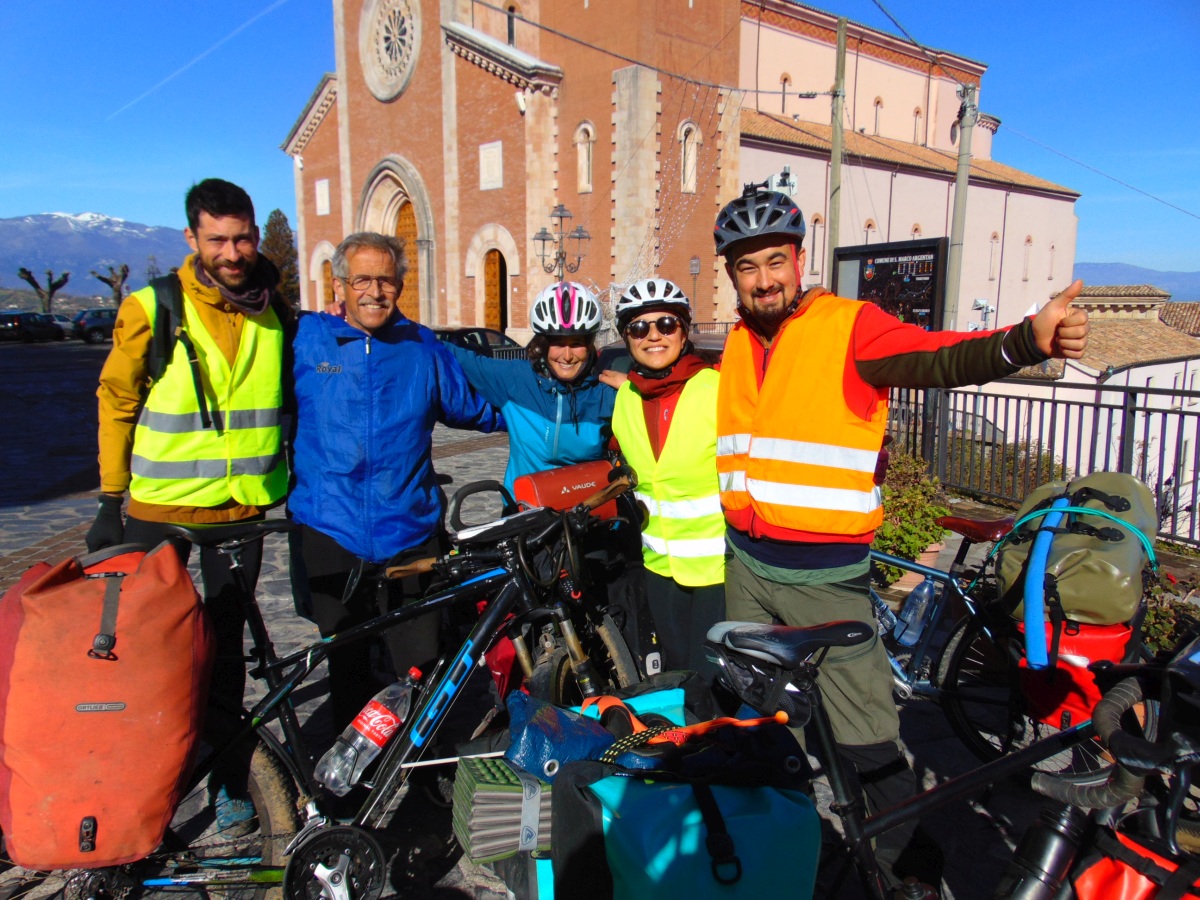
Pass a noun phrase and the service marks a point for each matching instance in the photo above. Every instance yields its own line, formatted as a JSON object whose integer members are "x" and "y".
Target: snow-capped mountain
{"x": 81, "y": 243}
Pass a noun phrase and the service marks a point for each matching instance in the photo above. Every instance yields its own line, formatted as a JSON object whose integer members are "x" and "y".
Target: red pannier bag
{"x": 1126, "y": 870}
{"x": 566, "y": 487}
{"x": 104, "y": 672}
{"x": 1065, "y": 693}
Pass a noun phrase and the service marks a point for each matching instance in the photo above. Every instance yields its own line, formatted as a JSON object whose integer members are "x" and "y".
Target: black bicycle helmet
{"x": 758, "y": 211}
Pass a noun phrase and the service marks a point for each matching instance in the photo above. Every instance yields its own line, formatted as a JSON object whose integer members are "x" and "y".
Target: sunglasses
{"x": 666, "y": 325}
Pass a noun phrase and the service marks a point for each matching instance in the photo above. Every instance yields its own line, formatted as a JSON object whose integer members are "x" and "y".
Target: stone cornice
{"x": 815, "y": 23}
{"x": 508, "y": 63}
{"x": 990, "y": 122}
{"x": 318, "y": 105}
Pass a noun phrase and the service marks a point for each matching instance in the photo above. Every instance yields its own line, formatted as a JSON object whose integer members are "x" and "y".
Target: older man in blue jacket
{"x": 369, "y": 390}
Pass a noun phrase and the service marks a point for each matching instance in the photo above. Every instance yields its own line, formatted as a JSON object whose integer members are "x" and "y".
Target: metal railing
{"x": 1000, "y": 446}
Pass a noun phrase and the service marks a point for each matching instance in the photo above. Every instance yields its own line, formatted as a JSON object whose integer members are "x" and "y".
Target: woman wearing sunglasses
{"x": 666, "y": 424}
{"x": 556, "y": 409}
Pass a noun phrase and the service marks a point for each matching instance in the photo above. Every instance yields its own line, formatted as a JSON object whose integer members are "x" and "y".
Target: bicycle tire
{"x": 554, "y": 680}
{"x": 981, "y": 698}
{"x": 190, "y": 838}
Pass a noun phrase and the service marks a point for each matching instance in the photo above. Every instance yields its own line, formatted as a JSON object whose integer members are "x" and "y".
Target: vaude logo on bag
{"x": 99, "y": 707}
{"x": 570, "y": 489}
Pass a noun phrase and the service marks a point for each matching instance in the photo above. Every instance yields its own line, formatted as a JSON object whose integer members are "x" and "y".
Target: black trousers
{"x": 321, "y": 569}
{"x": 222, "y": 600}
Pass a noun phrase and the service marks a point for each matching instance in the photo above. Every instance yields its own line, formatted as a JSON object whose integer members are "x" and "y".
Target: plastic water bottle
{"x": 911, "y": 621}
{"x": 344, "y": 763}
{"x": 885, "y": 619}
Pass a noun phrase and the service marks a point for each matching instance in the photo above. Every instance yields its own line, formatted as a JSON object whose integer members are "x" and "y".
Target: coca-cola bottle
{"x": 343, "y": 764}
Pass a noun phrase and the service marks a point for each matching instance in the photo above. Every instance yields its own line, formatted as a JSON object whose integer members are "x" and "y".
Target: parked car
{"x": 94, "y": 325}
{"x": 29, "y": 326}
{"x": 484, "y": 341}
{"x": 64, "y": 322}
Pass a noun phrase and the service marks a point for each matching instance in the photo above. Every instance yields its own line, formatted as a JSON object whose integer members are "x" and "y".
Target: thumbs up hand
{"x": 1059, "y": 329}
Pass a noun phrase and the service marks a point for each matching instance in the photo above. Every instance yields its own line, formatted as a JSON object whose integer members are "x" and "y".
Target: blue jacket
{"x": 550, "y": 423}
{"x": 365, "y": 411}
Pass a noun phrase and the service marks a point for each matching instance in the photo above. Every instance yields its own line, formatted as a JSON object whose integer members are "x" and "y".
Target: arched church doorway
{"x": 495, "y": 291}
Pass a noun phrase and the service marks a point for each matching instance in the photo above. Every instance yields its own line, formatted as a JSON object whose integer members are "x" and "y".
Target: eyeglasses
{"x": 666, "y": 325}
{"x": 361, "y": 283}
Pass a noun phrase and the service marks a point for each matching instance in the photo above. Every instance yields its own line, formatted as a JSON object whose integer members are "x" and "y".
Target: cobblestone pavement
{"x": 977, "y": 837}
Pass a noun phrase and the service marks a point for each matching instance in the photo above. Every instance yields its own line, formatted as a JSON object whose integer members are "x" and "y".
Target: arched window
{"x": 915, "y": 232}
{"x": 585, "y": 145}
{"x": 818, "y": 244}
{"x": 690, "y": 140}
{"x": 785, "y": 82}
{"x": 917, "y": 117}
{"x": 1028, "y": 253}
{"x": 869, "y": 227}
{"x": 511, "y": 16}
{"x": 878, "y": 106}
{"x": 993, "y": 248}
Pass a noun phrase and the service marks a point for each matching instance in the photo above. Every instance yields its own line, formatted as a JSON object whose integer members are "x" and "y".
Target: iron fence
{"x": 999, "y": 446}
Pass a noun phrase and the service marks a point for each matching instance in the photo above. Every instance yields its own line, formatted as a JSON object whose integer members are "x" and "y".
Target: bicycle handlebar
{"x": 575, "y": 518}
{"x": 1123, "y": 784}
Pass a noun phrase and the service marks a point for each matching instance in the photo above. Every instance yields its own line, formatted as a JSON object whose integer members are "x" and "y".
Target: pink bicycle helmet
{"x": 565, "y": 309}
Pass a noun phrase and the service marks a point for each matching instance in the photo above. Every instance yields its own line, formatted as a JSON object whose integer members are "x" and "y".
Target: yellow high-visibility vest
{"x": 790, "y": 451}
{"x": 179, "y": 462}
{"x": 685, "y": 537}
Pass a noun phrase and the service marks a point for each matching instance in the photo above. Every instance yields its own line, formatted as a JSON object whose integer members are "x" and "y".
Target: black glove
{"x": 108, "y": 529}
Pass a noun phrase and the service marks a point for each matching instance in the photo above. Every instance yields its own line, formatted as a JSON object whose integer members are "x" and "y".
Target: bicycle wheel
{"x": 554, "y": 680}
{"x": 194, "y": 854}
{"x": 983, "y": 701}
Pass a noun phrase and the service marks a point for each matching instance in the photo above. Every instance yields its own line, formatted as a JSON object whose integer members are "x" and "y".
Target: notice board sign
{"x": 904, "y": 278}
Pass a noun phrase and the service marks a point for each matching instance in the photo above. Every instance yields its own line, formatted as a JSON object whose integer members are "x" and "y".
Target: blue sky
{"x": 118, "y": 107}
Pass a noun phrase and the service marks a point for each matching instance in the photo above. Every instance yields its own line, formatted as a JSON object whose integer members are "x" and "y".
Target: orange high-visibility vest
{"x": 791, "y": 452}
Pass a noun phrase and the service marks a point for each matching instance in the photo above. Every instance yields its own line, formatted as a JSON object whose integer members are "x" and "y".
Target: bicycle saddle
{"x": 978, "y": 531}
{"x": 784, "y": 645}
{"x": 232, "y": 533}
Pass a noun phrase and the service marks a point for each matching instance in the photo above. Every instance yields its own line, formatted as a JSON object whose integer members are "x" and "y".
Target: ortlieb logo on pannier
{"x": 104, "y": 670}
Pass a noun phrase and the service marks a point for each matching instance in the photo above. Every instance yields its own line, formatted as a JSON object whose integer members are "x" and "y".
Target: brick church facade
{"x": 459, "y": 126}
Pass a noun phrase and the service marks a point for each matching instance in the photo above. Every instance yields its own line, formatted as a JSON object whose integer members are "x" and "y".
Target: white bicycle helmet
{"x": 565, "y": 309}
{"x": 649, "y": 294}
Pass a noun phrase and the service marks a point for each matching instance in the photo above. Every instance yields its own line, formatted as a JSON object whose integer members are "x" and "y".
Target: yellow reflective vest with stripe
{"x": 790, "y": 451}
{"x": 177, "y": 461}
{"x": 685, "y": 537}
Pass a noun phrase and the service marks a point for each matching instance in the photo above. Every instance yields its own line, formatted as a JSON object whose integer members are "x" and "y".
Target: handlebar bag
{"x": 104, "y": 671}
{"x": 1096, "y": 563}
{"x": 567, "y": 486}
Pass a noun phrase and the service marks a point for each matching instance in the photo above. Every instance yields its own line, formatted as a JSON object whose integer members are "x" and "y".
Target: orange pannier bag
{"x": 104, "y": 670}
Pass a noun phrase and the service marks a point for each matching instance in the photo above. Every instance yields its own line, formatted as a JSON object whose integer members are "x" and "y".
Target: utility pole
{"x": 832, "y": 229}
{"x": 968, "y": 112}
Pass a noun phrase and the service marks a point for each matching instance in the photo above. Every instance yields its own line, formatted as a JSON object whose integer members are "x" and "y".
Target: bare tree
{"x": 53, "y": 286}
{"x": 152, "y": 269}
{"x": 116, "y": 281}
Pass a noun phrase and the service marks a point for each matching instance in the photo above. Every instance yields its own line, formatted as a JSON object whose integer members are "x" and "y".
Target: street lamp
{"x": 552, "y": 247}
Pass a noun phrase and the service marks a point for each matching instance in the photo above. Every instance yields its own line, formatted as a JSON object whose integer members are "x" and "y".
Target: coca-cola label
{"x": 376, "y": 723}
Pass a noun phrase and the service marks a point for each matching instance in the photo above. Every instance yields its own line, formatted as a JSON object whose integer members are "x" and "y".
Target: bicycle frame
{"x": 859, "y": 830}
{"x": 911, "y": 676}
